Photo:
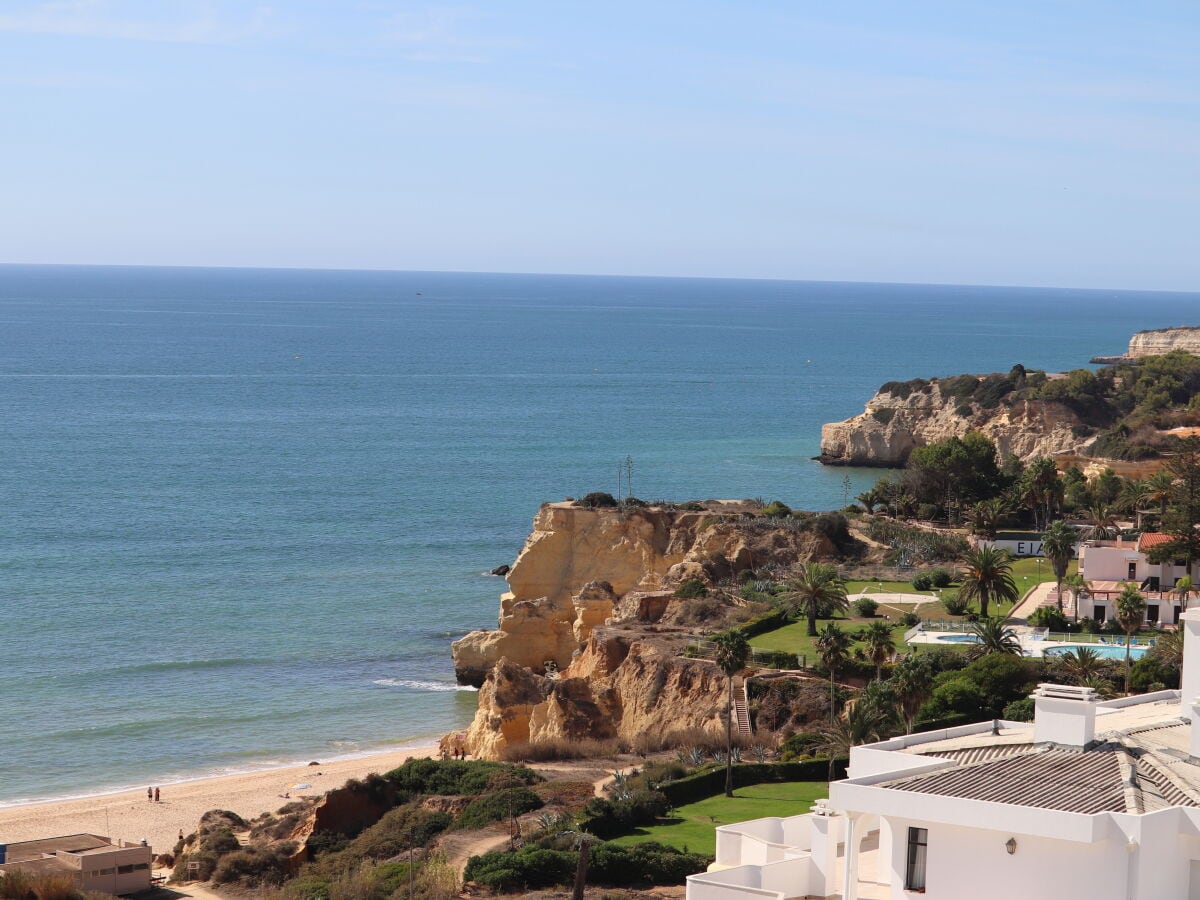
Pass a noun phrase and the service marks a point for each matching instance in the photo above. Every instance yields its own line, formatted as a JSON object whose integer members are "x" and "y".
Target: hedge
{"x": 764, "y": 623}
{"x": 712, "y": 781}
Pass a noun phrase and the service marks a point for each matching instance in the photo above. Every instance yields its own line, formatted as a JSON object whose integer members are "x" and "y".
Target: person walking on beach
{"x": 156, "y": 798}
{"x": 150, "y": 794}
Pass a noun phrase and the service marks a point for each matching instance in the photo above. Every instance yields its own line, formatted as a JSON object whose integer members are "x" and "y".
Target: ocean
{"x": 244, "y": 512}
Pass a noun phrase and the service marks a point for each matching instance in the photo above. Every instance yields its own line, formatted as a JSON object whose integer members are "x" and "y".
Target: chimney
{"x": 1064, "y": 715}
{"x": 1189, "y": 679}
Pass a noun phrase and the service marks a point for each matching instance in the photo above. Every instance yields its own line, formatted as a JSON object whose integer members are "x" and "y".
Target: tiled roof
{"x": 1049, "y": 779}
{"x": 971, "y": 755}
{"x": 1151, "y": 539}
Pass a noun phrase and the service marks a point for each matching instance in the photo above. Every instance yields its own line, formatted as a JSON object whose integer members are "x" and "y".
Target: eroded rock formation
{"x": 588, "y": 645}
{"x": 893, "y": 425}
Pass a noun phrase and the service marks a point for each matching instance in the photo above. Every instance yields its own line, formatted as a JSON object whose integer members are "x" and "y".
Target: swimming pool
{"x": 1107, "y": 651}
{"x": 957, "y": 639}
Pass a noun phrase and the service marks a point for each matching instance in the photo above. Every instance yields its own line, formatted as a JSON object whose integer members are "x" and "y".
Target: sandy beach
{"x": 131, "y": 817}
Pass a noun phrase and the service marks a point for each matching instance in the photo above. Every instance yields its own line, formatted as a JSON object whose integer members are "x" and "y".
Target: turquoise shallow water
{"x": 244, "y": 512}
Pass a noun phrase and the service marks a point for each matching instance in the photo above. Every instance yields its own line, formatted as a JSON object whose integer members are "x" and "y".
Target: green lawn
{"x": 793, "y": 638}
{"x": 694, "y": 826}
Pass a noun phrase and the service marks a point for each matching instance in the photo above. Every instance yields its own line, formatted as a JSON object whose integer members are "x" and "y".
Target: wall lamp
{"x": 1011, "y": 846}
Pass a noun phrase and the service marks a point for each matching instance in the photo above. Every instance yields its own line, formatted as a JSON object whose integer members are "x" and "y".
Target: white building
{"x": 1097, "y": 800}
{"x": 1108, "y": 565}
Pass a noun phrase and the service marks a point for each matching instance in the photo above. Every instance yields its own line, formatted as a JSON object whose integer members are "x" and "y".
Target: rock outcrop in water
{"x": 897, "y": 421}
{"x": 588, "y": 646}
{"x": 1158, "y": 341}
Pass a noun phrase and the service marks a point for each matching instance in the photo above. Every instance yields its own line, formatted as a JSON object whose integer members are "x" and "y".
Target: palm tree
{"x": 1104, "y": 521}
{"x": 1082, "y": 664}
{"x": 1168, "y": 649}
{"x": 992, "y": 635}
{"x": 859, "y": 723}
{"x": 1131, "y": 611}
{"x": 870, "y": 499}
{"x": 880, "y": 645}
{"x": 834, "y": 646}
{"x": 986, "y": 516}
{"x": 1183, "y": 587}
{"x": 1160, "y": 488}
{"x": 912, "y": 680}
{"x": 1098, "y": 683}
{"x": 812, "y": 588}
{"x": 733, "y": 652}
{"x": 987, "y": 576}
{"x": 1134, "y": 496}
{"x": 1058, "y": 546}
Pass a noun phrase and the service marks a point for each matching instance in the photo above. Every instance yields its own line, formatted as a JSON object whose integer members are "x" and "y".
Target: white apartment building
{"x": 1108, "y": 565}
{"x": 1097, "y": 800}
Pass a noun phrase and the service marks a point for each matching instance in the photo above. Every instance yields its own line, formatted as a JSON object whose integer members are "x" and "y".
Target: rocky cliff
{"x": 587, "y": 646}
{"x": 1164, "y": 340}
{"x": 899, "y": 419}
{"x": 578, "y": 562}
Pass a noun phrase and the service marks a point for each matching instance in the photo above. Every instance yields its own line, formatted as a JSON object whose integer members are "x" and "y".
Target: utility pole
{"x": 629, "y": 475}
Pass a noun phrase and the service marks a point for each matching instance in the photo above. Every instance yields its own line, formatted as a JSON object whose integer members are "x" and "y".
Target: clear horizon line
{"x": 267, "y": 268}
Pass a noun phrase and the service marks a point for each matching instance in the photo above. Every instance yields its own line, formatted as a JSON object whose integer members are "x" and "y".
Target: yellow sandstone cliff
{"x": 586, "y": 647}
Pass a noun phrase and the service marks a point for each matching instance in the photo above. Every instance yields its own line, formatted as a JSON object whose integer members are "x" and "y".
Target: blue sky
{"x": 1003, "y": 143}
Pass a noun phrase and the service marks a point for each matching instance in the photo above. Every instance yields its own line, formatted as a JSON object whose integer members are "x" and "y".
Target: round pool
{"x": 1106, "y": 651}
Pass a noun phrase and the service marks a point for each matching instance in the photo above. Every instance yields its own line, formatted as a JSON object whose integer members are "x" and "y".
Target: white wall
{"x": 973, "y": 863}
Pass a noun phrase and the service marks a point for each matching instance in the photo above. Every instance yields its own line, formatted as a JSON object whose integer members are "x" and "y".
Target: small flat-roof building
{"x": 96, "y": 863}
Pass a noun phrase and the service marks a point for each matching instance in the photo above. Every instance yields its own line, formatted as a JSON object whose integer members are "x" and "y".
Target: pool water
{"x": 958, "y": 639}
{"x": 1107, "y": 651}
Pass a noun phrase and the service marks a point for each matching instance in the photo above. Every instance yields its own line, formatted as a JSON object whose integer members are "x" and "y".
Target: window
{"x": 1152, "y": 613}
{"x": 104, "y": 872}
{"x": 1132, "y": 572}
{"x": 914, "y": 874}
{"x": 137, "y": 867}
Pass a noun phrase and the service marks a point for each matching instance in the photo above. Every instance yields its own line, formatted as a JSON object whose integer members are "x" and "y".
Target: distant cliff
{"x": 906, "y": 415}
{"x": 1158, "y": 341}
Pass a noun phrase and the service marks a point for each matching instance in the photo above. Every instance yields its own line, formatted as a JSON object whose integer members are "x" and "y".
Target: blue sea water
{"x": 244, "y": 512}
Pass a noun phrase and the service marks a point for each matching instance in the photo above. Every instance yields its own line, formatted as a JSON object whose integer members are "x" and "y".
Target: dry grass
{"x": 561, "y": 748}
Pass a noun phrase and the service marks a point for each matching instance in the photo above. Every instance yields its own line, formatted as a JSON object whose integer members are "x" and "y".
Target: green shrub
{"x": 691, "y": 589}
{"x": 883, "y": 415}
{"x": 966, "y": 410}
{"x": 922, "y": 581}
{"x": 498, "y": 806}
{"x": 649, "y": 863}
{"x": 956, "y": 605}
{"x": 777, "y": 659}
{"x": 535, "y": 866}
{"x": 866, "y": 607}
{"x": 607, "y": 818}
{"x": 1049, "y": 617}
{"x": 776, "y": 509}
{"x": 597, "y": 499}
{"x": 1019, "y": 710}
{"x": 454, "y": 776}
{"x": 909, "y": 619}
{"x": 253, "y": 866}
{"x": 941, "y": 578}
{"x": 398, "y": 830}
{"x": 1149, "y": 671}
{"x": 530, "y": 867}
{"x": 308, "y": 887}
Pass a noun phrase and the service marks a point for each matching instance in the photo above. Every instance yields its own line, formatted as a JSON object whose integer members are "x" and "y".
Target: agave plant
{"x": 719, "y": 757}
{"x": 696, "y": 756}
{"x": 760, "y": 753}
{"x": 735, "y": 753}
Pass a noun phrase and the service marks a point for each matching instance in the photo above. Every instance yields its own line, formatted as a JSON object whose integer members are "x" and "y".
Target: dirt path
{"x": 460, "y": 846}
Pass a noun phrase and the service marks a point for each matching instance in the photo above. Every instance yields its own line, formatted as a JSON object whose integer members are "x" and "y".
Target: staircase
{"x": 741, "y": 709}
